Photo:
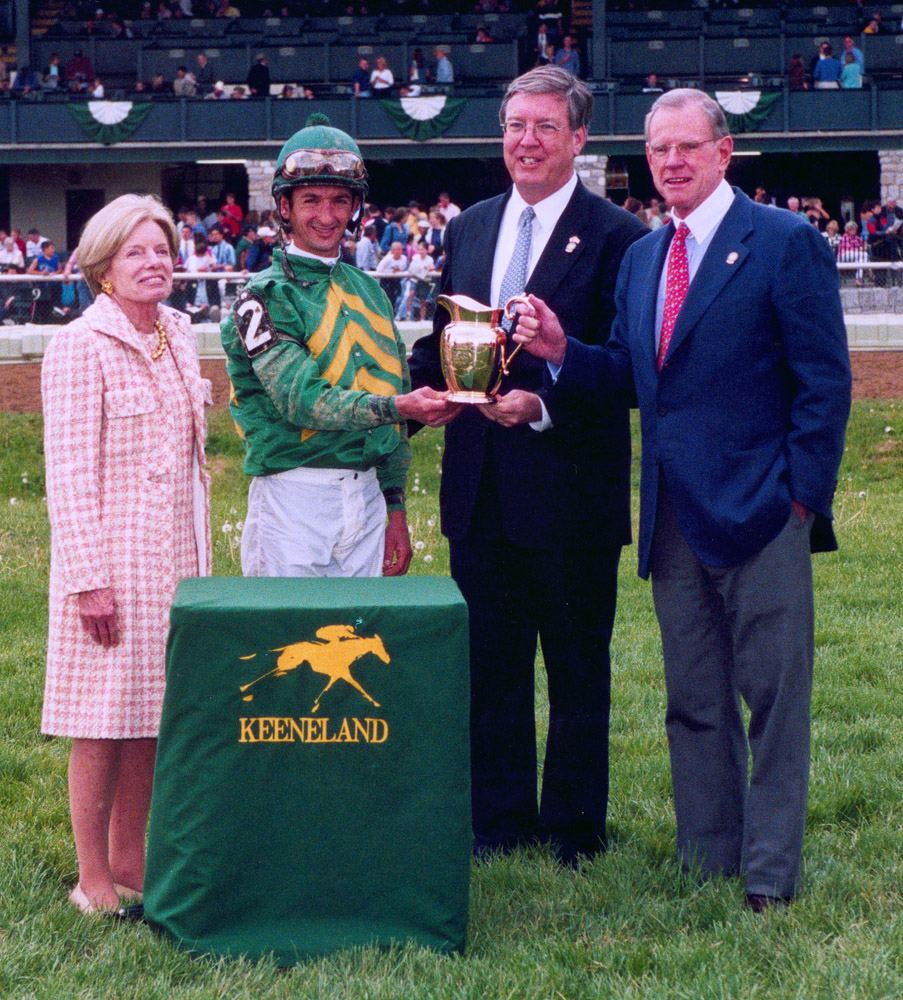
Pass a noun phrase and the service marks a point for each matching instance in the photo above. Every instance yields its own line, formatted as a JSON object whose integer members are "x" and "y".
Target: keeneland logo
{"x": 333, "y": 652}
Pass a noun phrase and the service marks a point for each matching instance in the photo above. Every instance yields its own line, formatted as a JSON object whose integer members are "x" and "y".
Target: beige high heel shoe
{"x": 80, "y": 901}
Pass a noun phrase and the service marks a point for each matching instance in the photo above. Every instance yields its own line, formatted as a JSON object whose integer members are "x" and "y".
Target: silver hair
{"x": 681, "y": 98}
{"x": 554, "y": 80}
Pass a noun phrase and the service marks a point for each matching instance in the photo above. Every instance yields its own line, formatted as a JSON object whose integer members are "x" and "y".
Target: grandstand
{"x": 849, "y": 139}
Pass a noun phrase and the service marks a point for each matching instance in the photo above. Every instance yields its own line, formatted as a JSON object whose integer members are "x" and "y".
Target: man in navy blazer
{"x": 536, "y": 514}
{"x": 743, "y": 399}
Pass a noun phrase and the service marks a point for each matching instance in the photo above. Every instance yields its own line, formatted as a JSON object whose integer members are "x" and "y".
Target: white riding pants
{"x": 314, "y": 522}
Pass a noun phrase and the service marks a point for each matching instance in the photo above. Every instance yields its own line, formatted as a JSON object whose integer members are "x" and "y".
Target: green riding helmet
{"x": 320, "y": 155}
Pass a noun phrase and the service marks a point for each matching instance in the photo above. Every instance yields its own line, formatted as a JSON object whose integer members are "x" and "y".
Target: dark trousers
{"x": 742, "y": 631}
{"x": 566, "y": 597}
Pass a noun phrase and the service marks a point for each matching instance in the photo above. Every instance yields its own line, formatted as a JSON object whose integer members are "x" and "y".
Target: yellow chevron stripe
{"x": 318, "y": 341}
{"x": 370, "y": 383}
{"x": 353, "y": 336}
{"x": 376, "y": 321}
{"x": 234, "y": 400}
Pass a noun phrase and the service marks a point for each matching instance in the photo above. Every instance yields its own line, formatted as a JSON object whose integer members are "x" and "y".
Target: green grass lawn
{"x": 629, "y": 925}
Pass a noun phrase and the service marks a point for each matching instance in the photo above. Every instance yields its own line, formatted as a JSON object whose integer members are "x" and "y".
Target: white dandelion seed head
{"x": 427, "y": 558}
{"x": 226, "y": 528}
{"x": 419, "y": 546}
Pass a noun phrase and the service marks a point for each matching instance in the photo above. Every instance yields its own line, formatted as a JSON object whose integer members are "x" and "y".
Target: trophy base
{"x": 470, "y": 397}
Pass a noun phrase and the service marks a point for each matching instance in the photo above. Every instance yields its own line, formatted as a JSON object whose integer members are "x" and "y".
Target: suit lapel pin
{"x": 572, "y": 244}
{"x": 732, "y": 257}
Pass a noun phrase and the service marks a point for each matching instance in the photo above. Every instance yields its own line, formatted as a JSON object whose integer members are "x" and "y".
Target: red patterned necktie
{"x": 675, "y": 288}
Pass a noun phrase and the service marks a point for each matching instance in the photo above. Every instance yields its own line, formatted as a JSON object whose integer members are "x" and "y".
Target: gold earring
{"x": 106, "y": 287}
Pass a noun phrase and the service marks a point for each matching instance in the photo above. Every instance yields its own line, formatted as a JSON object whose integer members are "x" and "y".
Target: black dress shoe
{"x": 759, "y": 903}
{"x": 489, "y": 848}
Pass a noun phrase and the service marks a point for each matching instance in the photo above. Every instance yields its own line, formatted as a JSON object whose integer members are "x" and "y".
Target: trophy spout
{"x": 464, "y": 309}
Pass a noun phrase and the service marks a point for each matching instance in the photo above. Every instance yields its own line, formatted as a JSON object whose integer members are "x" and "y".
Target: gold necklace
{"x": 157, "y": 353}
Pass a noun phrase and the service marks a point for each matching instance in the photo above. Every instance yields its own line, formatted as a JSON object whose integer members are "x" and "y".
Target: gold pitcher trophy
{"x": 473, "y": 348}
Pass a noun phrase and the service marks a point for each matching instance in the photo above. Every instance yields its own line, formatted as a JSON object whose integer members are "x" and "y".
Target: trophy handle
{"x": 513, "y": 301}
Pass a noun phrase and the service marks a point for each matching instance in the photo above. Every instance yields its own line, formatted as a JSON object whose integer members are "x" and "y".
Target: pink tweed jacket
{"x": 111, "y": 480}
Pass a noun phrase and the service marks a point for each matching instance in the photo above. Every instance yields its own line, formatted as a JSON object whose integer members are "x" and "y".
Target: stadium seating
{"x": 705, "y": 45}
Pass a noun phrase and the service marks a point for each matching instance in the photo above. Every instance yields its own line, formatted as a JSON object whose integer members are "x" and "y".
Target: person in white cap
{"x": 261, "y": 252}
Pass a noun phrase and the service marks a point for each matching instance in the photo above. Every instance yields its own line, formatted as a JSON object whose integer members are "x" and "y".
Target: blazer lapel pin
{"x": 572, "y": 244}
{"x": 732, "y": 257}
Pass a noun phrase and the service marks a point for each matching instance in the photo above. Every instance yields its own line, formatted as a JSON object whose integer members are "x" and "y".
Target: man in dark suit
{"x": 729, "y": 335}
{"x": 535, "y": 512}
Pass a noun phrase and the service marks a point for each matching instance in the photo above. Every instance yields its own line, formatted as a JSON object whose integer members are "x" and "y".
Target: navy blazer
{"x": 573, "y": 480}
{"x": 750, "y": 409}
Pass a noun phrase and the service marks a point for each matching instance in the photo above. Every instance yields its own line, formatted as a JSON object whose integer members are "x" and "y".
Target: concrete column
{"x": 260, "y": 179}
{"x": 591, "y": 169}
{"x": 891, "y": 161}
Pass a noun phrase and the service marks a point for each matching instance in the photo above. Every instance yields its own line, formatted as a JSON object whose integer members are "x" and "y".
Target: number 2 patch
{"x": 254, "y": 324}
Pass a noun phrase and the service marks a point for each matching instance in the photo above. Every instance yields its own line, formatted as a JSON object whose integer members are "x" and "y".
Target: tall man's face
{"x": 540, "y": 157}
{"x": 685, "y": 178}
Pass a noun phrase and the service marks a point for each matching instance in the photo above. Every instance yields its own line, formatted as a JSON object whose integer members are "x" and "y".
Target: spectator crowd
{"x": 217, "y": 242}
{"x": 406, "y": 241}
{"x": 873, "y": 233}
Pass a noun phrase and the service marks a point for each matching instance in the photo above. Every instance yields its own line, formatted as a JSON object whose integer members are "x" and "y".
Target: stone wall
{"x": 591, "y": 169}
{"x": 260, "y": 179}
{"x": 858, "y": 301}
{"x": 891, "y": 161}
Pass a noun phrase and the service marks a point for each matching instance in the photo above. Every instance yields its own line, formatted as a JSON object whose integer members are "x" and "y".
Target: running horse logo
{"x": 332, "y": 653}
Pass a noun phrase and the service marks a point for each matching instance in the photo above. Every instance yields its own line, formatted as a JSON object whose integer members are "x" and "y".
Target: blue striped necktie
{"x": 515, "y": 279}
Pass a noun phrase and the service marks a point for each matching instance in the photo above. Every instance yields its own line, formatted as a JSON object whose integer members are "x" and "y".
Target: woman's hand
{"x": 97, "y": 609}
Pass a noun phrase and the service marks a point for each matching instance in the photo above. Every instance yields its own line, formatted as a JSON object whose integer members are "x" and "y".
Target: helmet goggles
{"x": 326, "y": 163}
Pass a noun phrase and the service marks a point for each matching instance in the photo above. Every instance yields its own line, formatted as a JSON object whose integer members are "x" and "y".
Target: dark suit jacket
{"x": 750, "y": 409}
{"x": 573, "y": 480}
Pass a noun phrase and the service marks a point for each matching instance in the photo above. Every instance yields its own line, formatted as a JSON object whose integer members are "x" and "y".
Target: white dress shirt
{"x": 703, "y": 223}
{"x": 548, "y": 212}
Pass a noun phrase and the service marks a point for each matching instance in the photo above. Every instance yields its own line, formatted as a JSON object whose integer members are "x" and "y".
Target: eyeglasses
{"x": 323, "y": 162}
{"x": 684, "y": 149}
{"x": 545, "y": 130}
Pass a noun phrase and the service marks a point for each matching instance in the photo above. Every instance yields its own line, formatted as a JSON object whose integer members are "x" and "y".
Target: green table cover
{"x": 312, "y": 785}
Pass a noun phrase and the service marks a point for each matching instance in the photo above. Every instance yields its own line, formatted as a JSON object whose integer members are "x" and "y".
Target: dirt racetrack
{"x": 876, "y": 375}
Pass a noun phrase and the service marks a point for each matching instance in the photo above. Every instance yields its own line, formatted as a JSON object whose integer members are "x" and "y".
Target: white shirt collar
{"x": 548, "y": 211}
{"x": 292, "y": 248}
{"x": 705, "y": 217}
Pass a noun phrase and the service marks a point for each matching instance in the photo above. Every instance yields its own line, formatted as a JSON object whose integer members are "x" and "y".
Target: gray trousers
{"x": 742, "y": 631}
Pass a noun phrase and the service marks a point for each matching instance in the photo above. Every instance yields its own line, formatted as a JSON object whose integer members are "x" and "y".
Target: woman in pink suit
{"x": 128, "y": 499}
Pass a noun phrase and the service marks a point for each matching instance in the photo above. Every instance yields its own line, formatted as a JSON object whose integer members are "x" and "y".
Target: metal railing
{"x": 40, "y": 298}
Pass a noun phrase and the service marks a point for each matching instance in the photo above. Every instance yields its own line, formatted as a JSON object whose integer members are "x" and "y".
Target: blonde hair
{"x": 108, "y": 229}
